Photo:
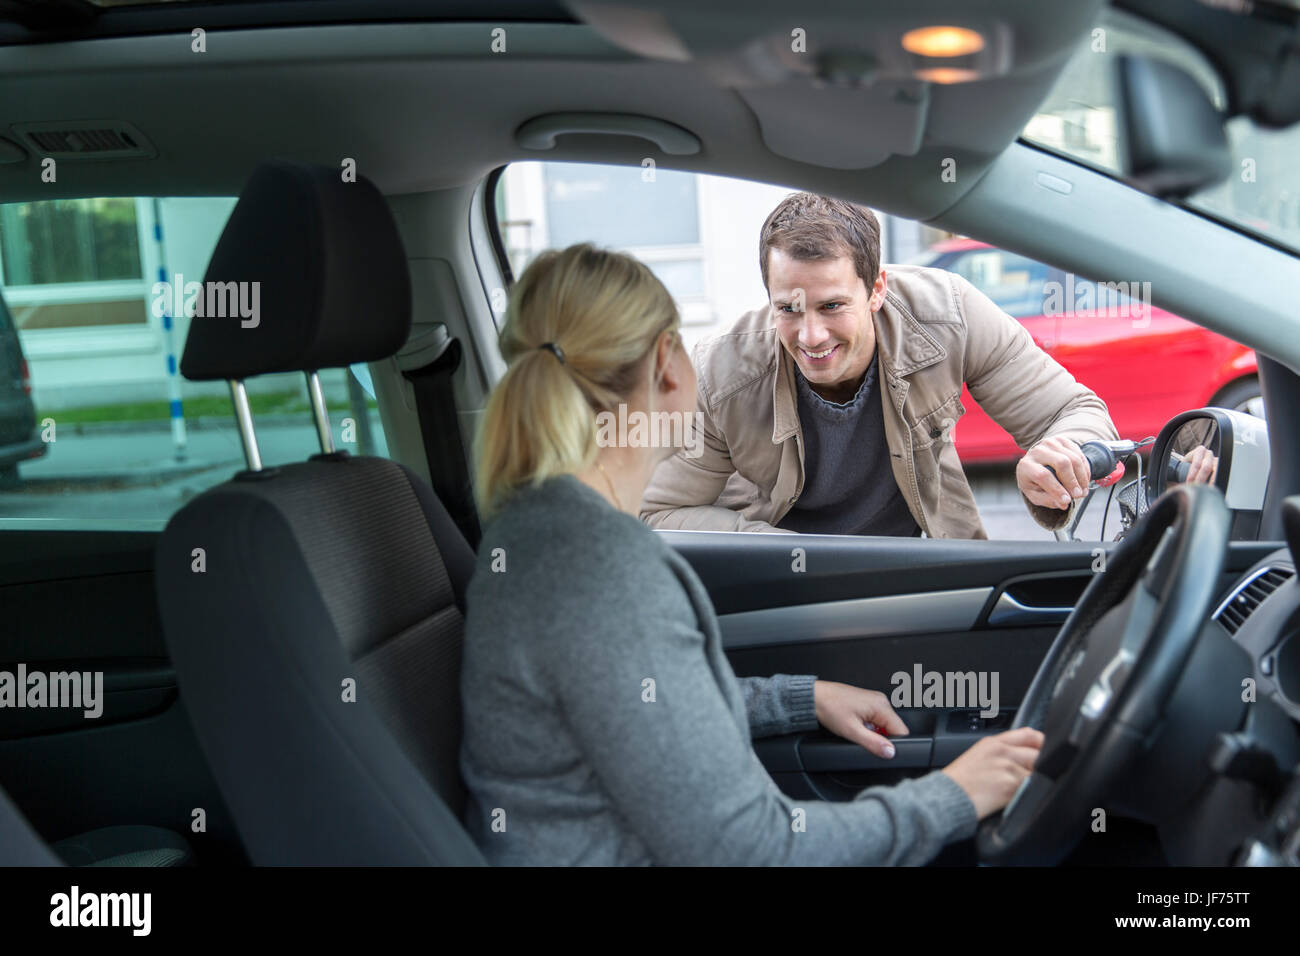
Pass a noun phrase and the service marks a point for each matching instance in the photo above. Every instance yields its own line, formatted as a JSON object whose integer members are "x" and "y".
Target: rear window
{"x": 102, "y": 431}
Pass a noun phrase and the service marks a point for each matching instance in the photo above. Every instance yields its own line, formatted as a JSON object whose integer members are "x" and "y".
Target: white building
{"x": 699, "y": 234}
{"x": 78, "y": 278}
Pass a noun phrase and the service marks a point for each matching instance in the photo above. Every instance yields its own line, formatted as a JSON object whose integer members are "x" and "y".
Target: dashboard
{"x": 1262, "y": 614}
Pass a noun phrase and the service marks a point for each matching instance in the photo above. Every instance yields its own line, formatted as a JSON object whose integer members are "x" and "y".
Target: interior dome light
{"x": 942, "y": 41}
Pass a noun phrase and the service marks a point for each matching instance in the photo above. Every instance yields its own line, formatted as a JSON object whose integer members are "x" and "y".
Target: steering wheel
{"x": 1101, "y": 691}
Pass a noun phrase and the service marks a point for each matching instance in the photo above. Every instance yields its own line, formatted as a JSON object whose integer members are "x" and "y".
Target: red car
{"x": 1145, "y": 363}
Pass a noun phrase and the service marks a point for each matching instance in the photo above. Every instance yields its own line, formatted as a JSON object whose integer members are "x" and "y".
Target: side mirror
{"x": 1218, "y": 446}
{"x": 1172, "y": 134}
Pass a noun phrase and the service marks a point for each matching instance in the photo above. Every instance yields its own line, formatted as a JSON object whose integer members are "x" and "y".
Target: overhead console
{"x": 893, "y": 77}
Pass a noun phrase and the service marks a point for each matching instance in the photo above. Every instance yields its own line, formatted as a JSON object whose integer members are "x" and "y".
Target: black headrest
{"x": 332, "y": 282}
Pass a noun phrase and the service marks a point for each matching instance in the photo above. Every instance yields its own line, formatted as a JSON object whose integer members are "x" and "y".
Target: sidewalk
{"x": 126, "y": 454}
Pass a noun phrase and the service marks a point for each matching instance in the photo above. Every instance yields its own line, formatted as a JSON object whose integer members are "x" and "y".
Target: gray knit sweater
{"x": 603, "y": 724}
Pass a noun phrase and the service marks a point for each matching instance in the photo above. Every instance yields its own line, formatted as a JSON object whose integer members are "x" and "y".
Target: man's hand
{"x": 1040, "y": 486}
{"x": 851, "y": 711}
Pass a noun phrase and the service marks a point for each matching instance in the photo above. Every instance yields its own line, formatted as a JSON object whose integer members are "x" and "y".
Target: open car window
{"x": 700, "y": 235}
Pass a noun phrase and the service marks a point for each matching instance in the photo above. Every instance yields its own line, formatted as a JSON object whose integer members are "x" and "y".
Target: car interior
{"x": 1167, "y": 680}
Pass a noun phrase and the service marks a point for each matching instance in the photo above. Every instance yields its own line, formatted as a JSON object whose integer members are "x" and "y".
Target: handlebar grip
{"x": 1101, "y": 460}
{"x": 1177, "y": 471}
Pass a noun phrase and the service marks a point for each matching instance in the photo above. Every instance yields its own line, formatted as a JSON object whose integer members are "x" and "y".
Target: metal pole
{"x": 244, "y": 421}
{"x": 320, "y": 413}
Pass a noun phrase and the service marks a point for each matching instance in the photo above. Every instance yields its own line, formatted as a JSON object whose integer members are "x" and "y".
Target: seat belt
{"x": 435, "y": 402}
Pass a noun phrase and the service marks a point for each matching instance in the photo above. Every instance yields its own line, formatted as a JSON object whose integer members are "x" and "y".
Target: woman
{"x": 603, "y": 724}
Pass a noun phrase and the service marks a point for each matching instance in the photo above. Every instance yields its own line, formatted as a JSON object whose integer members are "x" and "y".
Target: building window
{"x": 72, "y": 262}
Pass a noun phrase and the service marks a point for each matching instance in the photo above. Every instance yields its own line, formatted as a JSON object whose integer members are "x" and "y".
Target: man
{"x": 832, "y": 409}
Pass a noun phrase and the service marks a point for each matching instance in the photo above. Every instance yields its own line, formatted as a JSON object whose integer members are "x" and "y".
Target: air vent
{"x": 1242, "y": 603}
{"x": 84, "y": 139}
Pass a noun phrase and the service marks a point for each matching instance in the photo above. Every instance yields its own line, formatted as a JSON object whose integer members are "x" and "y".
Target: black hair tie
{"x": 554, "y": 350}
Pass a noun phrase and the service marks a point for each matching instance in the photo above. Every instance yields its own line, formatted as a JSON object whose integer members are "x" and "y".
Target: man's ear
{"x": 878, "y": 292}
{"x": 666, "y": 376}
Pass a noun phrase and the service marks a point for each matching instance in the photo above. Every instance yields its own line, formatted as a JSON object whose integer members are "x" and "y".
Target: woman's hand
{"x": 852, "y": 712}
{"x": 992, "y": 769}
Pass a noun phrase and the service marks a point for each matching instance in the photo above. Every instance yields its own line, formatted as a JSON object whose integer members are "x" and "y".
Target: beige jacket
{"x": 934, "y": 332}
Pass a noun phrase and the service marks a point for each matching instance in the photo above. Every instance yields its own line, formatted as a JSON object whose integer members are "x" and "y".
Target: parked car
{"x": 19, "y": 440}
{"x": 1106, "y": 337}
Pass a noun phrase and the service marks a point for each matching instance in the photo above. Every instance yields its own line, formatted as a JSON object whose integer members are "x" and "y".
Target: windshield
{"x": 1078, "y": 119}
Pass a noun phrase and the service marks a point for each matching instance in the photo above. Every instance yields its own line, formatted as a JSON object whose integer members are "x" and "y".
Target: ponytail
{"x": 602, "y": 312}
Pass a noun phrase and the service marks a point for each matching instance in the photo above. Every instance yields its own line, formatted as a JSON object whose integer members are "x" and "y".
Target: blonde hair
{"x": 604, "y": 311}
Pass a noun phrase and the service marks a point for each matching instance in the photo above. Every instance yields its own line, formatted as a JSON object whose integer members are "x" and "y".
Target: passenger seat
{"x": 313, "y": 611}
{"x": 125, "y": 846}
{"x": 20, "y": 845}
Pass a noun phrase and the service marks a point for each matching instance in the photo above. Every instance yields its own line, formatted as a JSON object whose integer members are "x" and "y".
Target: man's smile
{"x": 819, "y": 358}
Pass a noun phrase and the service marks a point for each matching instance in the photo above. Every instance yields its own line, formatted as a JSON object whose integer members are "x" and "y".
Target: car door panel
{"x": 861, "y": 610}
{"x": 864, "y": 609}
{"x": 84, "y": 601}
